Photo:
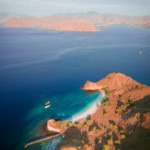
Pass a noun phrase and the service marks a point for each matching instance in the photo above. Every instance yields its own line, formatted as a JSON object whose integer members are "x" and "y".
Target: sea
{"x": 38, "y": 65}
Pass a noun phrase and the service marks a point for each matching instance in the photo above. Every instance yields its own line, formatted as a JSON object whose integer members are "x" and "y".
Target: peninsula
{"x": 122, "y": 121}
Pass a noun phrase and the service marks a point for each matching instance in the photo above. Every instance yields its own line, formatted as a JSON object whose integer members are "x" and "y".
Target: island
{"x": 87, "y": 22}
{"x": 121, "y": 121}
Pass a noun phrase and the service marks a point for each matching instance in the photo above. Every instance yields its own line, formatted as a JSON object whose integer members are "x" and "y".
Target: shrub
{"x": 106, "y": 91}
{"x": 105, "y": 102}
{"x": 113, "y": 125}
{"x": 58, "y": 122}
{"x": 117, "y": 142}
{"x": 130, "y": 103}
{"x": 123, "y": 136}
{"x": 94, "y": 129}
{"x": 122, "y": 132}
{"x": 88, "y": 122}
{"x": 64, "y": 124}
{"x": 120, "y": 96}
{"x": 75, "y": 125}
{"x": 97, "y": 130}
{"x": 104, "y": 114}
{"x": 88, "y": 117}
{"x": 109, "y": 141}
{"x": 106, "y": 147}
{"x": 85, "y": 124}
{"x": 121, "y": 107}
{"x": 68, "y": 123}
{"x": 76, "y": 122}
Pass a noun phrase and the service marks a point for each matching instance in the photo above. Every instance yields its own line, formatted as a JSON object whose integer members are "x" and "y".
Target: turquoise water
{"x": 63, "y": 107}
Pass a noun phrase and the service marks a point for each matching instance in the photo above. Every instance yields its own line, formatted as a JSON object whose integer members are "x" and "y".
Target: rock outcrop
{"x": 116, "y": 83}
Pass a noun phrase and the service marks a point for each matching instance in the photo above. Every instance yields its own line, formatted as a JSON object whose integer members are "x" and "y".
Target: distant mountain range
{"x": 74, "y": 22}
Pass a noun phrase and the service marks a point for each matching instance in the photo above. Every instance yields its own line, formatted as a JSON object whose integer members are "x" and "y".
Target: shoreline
{"x": 89, "y": 110}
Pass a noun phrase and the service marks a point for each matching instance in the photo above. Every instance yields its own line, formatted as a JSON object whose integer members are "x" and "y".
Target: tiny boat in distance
{"x": 47, "y": 104}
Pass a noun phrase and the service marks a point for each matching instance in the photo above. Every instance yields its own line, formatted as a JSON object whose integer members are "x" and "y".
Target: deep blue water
{"x": 37, "y": 65}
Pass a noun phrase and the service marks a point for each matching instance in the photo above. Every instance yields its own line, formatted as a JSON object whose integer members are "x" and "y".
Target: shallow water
{"x": 40, "y": 65}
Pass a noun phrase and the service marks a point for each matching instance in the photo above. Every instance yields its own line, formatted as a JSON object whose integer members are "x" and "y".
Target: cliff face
{"x": 76, "y": 22}
{"x": 121, "y": 122}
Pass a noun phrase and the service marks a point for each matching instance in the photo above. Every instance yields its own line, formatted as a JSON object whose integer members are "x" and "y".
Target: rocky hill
{"x": 76, "y": 22}
{"x": 117, "y": 84}
{"x": 122, "y": 121}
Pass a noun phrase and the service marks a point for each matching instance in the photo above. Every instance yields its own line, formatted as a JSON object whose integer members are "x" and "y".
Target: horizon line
{"x": 69, "y": 13}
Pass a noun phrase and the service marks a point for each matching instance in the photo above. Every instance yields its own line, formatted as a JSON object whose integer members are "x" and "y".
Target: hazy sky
{"x": 47, "y": 7}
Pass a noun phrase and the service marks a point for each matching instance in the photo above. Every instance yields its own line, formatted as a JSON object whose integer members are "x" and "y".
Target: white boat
{"x": 47, "y": 104}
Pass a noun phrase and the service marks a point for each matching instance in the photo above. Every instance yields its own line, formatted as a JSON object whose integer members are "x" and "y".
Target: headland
{"x": 122, "y": 121}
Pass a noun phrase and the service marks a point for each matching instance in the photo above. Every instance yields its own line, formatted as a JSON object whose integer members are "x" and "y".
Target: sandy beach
{"x": 91, "y": 109}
